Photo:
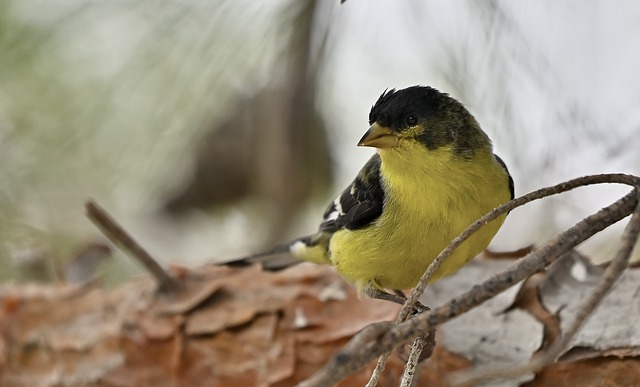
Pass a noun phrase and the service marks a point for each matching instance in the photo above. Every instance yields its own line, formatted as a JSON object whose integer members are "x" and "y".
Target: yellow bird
{"x": 433, "y": 175}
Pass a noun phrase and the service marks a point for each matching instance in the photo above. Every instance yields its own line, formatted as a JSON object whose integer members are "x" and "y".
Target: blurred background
{"x": 215, "y": 128}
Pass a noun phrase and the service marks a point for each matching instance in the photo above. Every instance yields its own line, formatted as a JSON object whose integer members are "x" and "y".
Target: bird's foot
{"x": 398, "y": 297}
{"x": 429, "y": 340}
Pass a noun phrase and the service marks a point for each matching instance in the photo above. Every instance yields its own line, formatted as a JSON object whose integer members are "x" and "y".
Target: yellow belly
{"x": 374, "y": 258}
{"x": 420, "y": 218}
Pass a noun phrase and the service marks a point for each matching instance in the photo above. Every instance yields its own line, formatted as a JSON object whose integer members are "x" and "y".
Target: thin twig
{"x": 377, "y": 372}
{"x": 399, "y": 334}
{"x": 421, "y": 349}
{"x": 412, "y": 362}
{"x": 116, "y": 234}
{"x": 613, "y": 271}
{"x": 417, "y": 354}
{"x": 505, "y": 208}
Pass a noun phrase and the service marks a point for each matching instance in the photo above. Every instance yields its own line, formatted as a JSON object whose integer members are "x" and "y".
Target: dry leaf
{"x": 247, "y": 327}
{"x": 613, "y": 328}
{"x": 224, "y": 327}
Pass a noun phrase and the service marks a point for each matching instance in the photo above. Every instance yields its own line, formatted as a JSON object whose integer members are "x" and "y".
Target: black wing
{"x": 359, "y": 204}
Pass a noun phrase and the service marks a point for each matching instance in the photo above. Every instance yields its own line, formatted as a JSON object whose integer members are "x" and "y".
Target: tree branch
{"x": 116, "y": 234}
{"x": 614, "y": 269}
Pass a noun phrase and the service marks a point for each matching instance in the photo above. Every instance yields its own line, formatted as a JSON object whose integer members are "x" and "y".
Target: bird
{"x": 433, "y": 174}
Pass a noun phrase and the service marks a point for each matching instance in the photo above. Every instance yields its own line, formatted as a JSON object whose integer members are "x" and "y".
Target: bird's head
{"x": 421, "y": 114}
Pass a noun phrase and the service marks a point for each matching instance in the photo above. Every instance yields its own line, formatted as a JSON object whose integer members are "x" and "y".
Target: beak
{"x": 379, "y": 136}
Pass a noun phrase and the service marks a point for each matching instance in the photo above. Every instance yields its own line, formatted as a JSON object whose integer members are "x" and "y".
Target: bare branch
{"x": 421, "y": 349}
{"x": 613, "y": 271}
{"x": 377, "y": 372}
{"x": 116, "y": 234}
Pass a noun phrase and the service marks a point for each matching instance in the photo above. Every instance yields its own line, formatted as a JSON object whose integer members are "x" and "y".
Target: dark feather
{"x": 359, "y": 204}
{"x": 273, "y": 260}
{"x": 511, "y": 187}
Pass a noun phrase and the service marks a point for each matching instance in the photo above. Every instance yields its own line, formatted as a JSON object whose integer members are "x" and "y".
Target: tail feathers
{"x": 273, "y": 260}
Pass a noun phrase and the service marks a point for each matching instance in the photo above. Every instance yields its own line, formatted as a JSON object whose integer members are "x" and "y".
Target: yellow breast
{"x": 426, "y": 206}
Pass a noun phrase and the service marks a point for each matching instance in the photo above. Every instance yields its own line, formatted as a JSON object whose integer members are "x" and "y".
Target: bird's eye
{"x": 411, "y": 120}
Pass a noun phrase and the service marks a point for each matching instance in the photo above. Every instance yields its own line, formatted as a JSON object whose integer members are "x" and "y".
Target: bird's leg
{"x": 382, "y": 295}
{"x": 417, "y": 308}
{"x": 429, "y": 338}
{"x": 398, "y": 297}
